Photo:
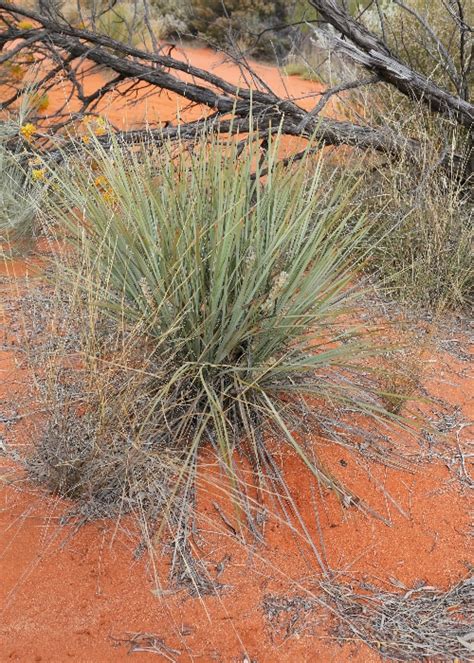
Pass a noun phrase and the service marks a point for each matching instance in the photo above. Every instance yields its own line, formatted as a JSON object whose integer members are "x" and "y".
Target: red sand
{"x": 76, "y": 597}
{"x": 166, "y": 106}
{"x": 71, "y": 596}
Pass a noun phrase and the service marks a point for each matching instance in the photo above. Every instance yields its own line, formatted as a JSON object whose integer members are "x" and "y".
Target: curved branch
{"x": 369, "y": 50}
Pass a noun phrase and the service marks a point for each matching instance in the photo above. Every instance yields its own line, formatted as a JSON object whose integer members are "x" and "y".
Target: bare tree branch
{"x": 368, "y": 49}
{"x": 255, "y": 105}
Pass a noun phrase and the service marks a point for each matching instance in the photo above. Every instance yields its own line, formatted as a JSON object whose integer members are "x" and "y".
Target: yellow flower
{"x": 25, "y": 25}
{"x": 101, "y": 127}
{"x": 86, "y": 139}
{"x": 96, "y": 125}
{"x": 109, "y": 197}
{"x": 101, "y": 182}
{"x": 38, "y": 174}
{"x": 107, "y": 193}
{"x": 100, "y": 131}
{"x": 28, "y": 130}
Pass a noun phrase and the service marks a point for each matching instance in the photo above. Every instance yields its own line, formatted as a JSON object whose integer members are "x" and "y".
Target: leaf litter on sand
{"x": 421, "y": 623}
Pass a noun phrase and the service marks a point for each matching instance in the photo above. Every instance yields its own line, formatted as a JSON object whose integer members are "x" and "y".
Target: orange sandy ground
{"x": 80, "y": 596}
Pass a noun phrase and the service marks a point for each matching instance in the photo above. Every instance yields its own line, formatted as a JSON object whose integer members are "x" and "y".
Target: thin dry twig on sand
{"x": 148, "y": 643}
{"x": 422, "y": 623}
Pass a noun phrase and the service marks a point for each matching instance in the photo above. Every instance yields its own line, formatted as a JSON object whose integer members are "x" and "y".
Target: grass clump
{"x": 422, "y": 234}
{"x": 209, "y": 283}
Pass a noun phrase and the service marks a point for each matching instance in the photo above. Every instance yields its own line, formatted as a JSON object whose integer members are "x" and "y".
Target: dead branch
{"x": 369, "y": 50}
{"x": 255, "y": 105}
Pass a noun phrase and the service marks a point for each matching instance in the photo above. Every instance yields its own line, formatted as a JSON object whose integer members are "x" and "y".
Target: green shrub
{"x": 230, "y": 284}
{"x": 230, "y": 23}
{"x": 241, "y": 21}
{"x": 174, "y": 17}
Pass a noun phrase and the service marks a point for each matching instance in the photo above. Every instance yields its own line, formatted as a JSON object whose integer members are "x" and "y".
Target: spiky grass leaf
{"x": 237, "y": 280}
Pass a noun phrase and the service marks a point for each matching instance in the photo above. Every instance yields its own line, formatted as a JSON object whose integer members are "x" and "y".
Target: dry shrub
{"x": 422, "y": 235}
{"x": 97, "y": 447}
{"x": 419, "y": 208}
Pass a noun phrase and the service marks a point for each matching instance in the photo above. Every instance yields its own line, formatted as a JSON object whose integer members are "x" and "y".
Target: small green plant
{"x": 300, "y": 67}
{"x": 227, "y": 273}
{"x": 18, "y": 192}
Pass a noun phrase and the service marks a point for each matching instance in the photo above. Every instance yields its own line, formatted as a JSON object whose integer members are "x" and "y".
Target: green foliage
{"x": 230, "y": 23}
{"x": 234, "y": 281}
{"x": 172, "y": 19}
{"x": 17, "y": 195}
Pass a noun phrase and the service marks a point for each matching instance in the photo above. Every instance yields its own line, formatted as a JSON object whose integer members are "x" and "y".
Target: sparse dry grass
{"x": 422, "y": 234}
{"x": 421, "y": 623}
